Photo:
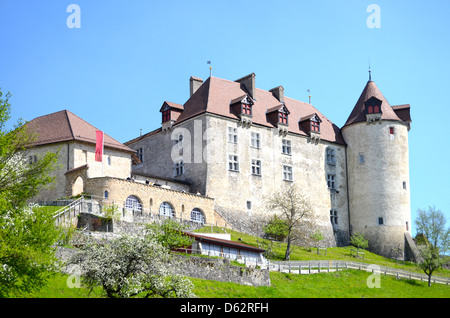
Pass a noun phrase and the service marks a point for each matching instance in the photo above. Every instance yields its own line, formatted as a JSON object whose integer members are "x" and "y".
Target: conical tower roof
{"x": 359, "y": 111}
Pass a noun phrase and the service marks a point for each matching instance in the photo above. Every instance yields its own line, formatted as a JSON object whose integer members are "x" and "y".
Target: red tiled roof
{"x": 66, "y": 126}
{"x": 215, "y": 94}
{"x": 359, "y": 111}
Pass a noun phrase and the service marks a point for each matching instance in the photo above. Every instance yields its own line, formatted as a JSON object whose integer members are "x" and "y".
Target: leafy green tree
{"x": 359, "y": 241}
{"x": 132, "y": 267}
{"x": 27, "y": 233}
{"x": 276, "y": 228}
{"x": 317, "y": 236}
{"x": 434, "y": 245}
{"x": 170, "y": 234}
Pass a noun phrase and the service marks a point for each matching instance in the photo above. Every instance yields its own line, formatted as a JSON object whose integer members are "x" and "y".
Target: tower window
{"x": 140, "y": 154}
{"x": 331, "y": 157}
{"x": 391, "y": 130}
{"x": 249, "y": 205}
{"x": 178, "y": 168}
{"x": 380, "y": 221}
{"x": 331, "y": 181}
{"x": 404, "y": 185}
{"x": 361, "y": 159}
{"x": 333, "y": 217}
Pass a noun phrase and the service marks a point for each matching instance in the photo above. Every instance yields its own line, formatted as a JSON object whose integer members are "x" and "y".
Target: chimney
{"x": 249, "y": 83}
{"x": 278, "y": 93}
{"x": 194, "y": 84}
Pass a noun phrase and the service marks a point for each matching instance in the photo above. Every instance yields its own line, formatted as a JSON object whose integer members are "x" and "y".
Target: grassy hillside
{"x": 335, "y": 253}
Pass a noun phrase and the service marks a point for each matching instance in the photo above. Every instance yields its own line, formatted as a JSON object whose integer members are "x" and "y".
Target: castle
{"x": 231, "y": 144}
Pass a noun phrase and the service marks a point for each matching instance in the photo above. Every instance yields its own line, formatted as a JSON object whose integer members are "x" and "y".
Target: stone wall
{"x": 221, "y": 270}
{"x": 151, "y": 197}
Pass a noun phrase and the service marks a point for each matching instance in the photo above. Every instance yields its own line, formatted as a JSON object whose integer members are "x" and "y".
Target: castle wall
{"x": 246, "y": 193}
{"x": 378, "y": 179}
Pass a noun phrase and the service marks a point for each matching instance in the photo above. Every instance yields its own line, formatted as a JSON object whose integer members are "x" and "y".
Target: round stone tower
{"x": 376, "y": 134}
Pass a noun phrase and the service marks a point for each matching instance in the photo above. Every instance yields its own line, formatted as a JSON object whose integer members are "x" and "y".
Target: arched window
{"x": 166, "y": 209}
{"x": 197, "y": 216}
{"x": 133, "y": 203}
{"x": 106, "y": 194}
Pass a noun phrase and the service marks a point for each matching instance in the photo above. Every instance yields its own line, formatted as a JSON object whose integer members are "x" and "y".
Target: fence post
{"x": 309, "y": 267}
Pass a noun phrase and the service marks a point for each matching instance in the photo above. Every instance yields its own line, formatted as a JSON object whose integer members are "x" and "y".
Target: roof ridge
{"x": 69, "y": 123}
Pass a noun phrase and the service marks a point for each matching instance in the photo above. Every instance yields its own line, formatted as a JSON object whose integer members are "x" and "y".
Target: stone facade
{"x": 205, "y": 149}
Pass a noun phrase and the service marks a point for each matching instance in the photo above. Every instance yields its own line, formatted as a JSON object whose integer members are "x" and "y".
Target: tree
{"x": 27, "y": 233}
{"x": 317, "y": 236}
{"x": 276, "y": 228}
{"x": 170, "y": 234}
{"x": 132, "y": 267}
{"x": 434, "y": 245}
{"x": 296, "y": 210}
{"x": 359, "y": 241}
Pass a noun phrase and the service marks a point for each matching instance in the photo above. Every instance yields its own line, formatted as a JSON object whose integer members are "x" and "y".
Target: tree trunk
{"x": 287, "y": 255}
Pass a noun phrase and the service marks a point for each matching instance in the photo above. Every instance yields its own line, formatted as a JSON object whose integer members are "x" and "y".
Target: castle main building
{"x": 237, "y": 144}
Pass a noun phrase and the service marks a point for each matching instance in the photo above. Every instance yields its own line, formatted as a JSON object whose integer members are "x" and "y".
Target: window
{"x": 380, "y": 221}
{"x": 361, "y": 159}
{"x": 404, "y": 185}
{"x": 286, "y": 147}
{"x": 106, "y": 194}
{"x": 331, "y": 157}
{"x": 140, "y": 154}
{"x": 232, "y": 135}
{"x": 178, "y": 168}
{"x": 391, "y": 130}
{"x": 166, "y": 115}
{"x": 256, "y": 167}
{"x": 287, "y": 173}
{"x": 109, "y": 160}
{"x": 133, "y": 203}
{"x": 249, "y": 205}
{"x": 331, "y": 181}
{"x": 233, "y": 163}
{"x": 246, "y": 109}
{"x": 373, "y": 109}
{"x": 255, "y": 140}
{"x": 32, "y": 159}
{"x": 333, "y": 217}
{"x": 315, "y": 125}
{"x": 166, "y": 209}
{"x": 282, "y": 118}
{"x": 197, "y": 216}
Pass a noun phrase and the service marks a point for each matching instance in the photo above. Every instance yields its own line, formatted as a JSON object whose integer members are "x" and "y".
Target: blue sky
{"x": 128, "y": 57}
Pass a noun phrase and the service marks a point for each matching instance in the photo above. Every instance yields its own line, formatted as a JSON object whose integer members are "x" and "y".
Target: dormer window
{"x": 282, "y": 117}
{"x": 242, "y": 108}
{"x": 373, "y": 109}
{"x": 166, "y": 115}
{"x": 311, "y": 125}
{"x": 246, "y": 109}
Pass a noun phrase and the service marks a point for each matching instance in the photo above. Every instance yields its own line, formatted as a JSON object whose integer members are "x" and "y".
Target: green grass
{"x": 334, "y": 253}
{"x": 343, "y": 284}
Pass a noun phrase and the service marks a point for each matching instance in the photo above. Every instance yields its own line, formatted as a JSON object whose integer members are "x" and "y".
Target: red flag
{"x": 99, "y": 146}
